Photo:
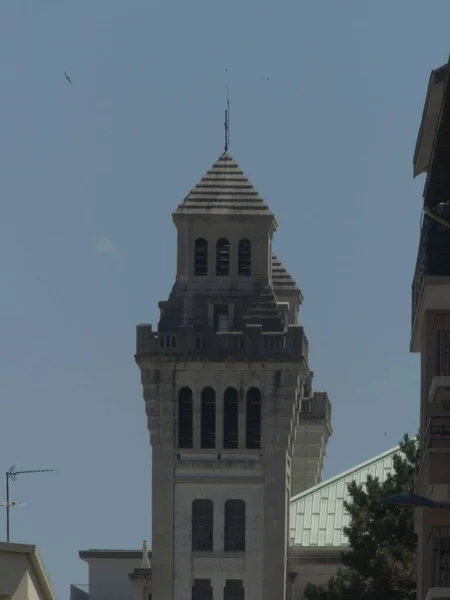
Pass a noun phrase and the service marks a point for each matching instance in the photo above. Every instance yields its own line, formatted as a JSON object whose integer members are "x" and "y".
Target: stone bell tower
{"x": 223, "y": 379}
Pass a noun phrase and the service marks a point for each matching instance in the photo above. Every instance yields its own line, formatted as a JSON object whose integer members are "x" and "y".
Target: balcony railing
{"x": 440, "y": 557}
{"x": 251, "y": 342}
{"x": 437, "y": 434}
{"x": 433, "y": 257}
{"x": 101, "y": 592}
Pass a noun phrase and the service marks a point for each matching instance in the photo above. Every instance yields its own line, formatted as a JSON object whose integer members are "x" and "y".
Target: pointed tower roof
{"x": 224, "y": 189}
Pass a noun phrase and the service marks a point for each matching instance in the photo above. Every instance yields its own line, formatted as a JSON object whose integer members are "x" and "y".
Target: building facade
{"x": 316, "y": 542}
{"x": 431, "y": 337}
{"x": 234, "y": 425}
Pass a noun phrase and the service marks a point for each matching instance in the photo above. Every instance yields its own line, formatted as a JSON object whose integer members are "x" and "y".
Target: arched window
{"x": 235, "y": 525}
{"x": 223, "y": 257}
{"x": 230, "y": 418}
{"x": 202, "y": 525}
{"x": 245, "y": 258}
{"x": 201, "y": 257}
{"x": 208, "y": 418}
{"x": 185, "y": 418}
{"x": 253, "y": 420}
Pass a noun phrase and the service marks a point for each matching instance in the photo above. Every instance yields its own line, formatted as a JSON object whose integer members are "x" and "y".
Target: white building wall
{"x": 219, "y": 565}
{"x": 109, "y": 578}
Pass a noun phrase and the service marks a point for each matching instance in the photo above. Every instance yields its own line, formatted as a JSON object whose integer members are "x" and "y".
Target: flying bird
{"x": 67, "y": 77}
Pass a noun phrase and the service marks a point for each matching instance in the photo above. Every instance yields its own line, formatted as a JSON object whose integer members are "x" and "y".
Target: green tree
{"x": 381, "y": 561}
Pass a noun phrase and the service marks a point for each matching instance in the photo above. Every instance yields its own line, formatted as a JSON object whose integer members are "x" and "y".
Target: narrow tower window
{"x": 201, "y": 257}
{"x": 253, "y": 420}
{"x": 185, "y": 418}
{"x": 202, "y": 525}
{"x": 234, "y": 590}
{"x": 223, "y": 257}
{"x": 208, "y": 418}
{"x": 245, "y": 258}
{"x": 230, "y": 418}
{"x": 235, "y": 525}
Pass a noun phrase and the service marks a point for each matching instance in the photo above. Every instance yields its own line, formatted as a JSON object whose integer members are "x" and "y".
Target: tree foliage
{"x": 381, "y": 561}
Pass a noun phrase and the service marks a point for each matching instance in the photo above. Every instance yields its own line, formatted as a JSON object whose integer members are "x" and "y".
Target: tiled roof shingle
{"x": 281, "y": 279}
{"x": 224, "y": 189}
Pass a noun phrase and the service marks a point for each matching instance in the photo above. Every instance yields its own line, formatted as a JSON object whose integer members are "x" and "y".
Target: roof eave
{"x": 430, "y": 115}
{"x": 103, "y": 554}
{"x": 344, "y": 474}
{"x": 36, "y": 561}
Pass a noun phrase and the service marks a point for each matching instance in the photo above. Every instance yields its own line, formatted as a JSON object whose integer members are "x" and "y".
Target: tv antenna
{"x": 227, "y": 121}
{"x": 11, "y": 475}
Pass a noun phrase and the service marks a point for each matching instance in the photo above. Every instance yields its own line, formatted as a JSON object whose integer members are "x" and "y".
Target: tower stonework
{"x": 225, "y": 377}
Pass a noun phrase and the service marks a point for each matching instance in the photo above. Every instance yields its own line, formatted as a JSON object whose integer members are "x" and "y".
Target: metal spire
{"x": 227, "y": 121}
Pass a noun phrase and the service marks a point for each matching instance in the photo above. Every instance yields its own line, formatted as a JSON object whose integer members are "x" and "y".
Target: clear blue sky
{"x": 90, "y": 173}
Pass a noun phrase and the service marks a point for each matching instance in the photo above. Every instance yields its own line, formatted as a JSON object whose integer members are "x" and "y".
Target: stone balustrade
{"x": 252, "y": 342}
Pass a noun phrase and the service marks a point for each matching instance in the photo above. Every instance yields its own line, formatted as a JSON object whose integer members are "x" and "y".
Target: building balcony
{"x": 437, "y": 435}
{"x": 431, "y": 283}
{"x": 250, "y": 343}
{"x": 439, "y": 554}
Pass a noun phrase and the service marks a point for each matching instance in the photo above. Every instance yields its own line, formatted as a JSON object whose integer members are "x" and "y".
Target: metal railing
{"x": 433, "y": 256}
{"x": 437, "y": 434}
{"x": 440, "y": 557}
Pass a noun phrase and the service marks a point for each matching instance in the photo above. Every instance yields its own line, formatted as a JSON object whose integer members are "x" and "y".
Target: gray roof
{"x": 281, "y": 279}
{"x": 224, "y": 189}
{"x": 107, "y": 554}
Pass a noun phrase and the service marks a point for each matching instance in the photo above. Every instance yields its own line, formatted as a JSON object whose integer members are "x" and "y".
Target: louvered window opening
{"x": 253, "y": 420}
{"x": 201, "y": 257}
{"x": 235, "y": 525}
{"x": 185, "y": 419}
{"x": 208, "y": 418}
{"x": 223, "y": 257}
{"x": 245, "y": 258}
{"x": 230, "y": 419}
{"x": 202, "y": 525}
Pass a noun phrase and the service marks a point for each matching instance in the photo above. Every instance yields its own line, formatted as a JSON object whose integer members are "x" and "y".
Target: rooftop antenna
{"x": 227, "y": 121}
{"x": 11, "y": 475}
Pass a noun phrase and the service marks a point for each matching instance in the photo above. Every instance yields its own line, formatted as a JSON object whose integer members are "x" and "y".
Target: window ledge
{"x": 217, "y": 554}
